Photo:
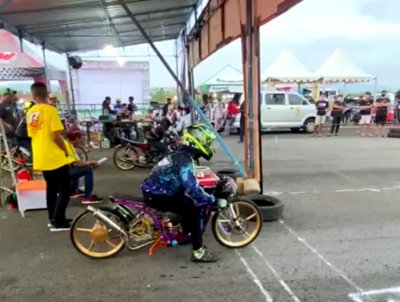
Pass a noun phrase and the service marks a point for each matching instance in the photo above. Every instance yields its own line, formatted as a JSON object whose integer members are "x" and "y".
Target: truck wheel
{"x": 309, "y": 125}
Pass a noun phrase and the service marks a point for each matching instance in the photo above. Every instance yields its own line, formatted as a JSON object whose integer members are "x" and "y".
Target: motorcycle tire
{"x": 82, "y": 154}
{"x": 117, "y": 161}
{"x": 95, "y": 234}
{"x": 217, "y": 227}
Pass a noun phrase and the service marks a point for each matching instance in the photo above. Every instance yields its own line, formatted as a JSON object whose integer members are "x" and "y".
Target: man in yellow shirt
{"x": 50, "y": 155}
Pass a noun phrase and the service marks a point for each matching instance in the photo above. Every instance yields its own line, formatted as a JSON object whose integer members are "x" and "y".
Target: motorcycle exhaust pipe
{"x": 99, "y": 214}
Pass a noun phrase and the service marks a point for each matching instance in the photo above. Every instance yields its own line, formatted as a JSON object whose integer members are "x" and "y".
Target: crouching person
{"x": 79, "y": 169}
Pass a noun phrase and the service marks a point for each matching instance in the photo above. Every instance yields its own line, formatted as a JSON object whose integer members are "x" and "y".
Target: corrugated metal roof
{"x": 79, "y": 25}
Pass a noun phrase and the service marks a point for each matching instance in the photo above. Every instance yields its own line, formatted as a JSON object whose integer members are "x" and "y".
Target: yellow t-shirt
{"x": 71, "y": 151}
{"x": 42, "y": 121}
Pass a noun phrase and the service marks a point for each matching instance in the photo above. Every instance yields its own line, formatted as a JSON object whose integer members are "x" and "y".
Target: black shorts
{"x": 380, "y": 119}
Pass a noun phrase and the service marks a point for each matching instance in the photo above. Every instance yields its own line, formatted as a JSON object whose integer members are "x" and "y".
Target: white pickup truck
{"x": 284, "y": 110}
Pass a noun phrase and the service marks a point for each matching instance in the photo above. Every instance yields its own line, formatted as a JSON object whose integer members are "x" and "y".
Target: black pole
{"x": 250, "y": 54}
{"x": 177, "y": 70}
{"x": 257, "y": 31}
{"x": 72, "y": 88}
{"x": 45, "y": 67}
{"x": 21, "y": 41}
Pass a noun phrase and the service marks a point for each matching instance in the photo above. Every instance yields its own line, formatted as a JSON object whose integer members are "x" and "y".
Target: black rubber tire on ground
{"x": 271, "y": 207}
{"x": 393, "y": 135}
{"x": 228, "y": 172}
{"x": 394, "y": 130}
{"x": 308, "y": 126}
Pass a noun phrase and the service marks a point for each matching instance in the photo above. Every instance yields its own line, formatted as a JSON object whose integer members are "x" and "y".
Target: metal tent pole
{"x": 21, "y": 40}
{"x": 47, "y": 81}
{"x": 178, "y": 97}
{"x": 71, "y": 82}
{"x": 182, "y": 86}
{"x": 249, "y": 63}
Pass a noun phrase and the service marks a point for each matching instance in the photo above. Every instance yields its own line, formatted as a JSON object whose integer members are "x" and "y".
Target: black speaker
{"x": 75, "y": 62}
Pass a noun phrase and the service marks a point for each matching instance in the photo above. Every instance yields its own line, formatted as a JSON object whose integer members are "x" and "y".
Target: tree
{"x": 160, "y": 95}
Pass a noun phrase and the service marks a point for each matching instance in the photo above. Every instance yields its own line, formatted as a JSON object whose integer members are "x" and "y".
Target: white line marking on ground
{"x": 276, "y": 275}
{"x": 357, "y": 297}
{"x": 276, "y": 140}
{"x": 320, "y": 256}
{"x": 348, "y": 190}
{"x": 256, "y": 280}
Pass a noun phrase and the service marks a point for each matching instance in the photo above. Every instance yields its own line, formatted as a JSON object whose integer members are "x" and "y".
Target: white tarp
{"x": 98, "y": 79}
{"x": 288, "y": 69}
{"x": 338, "y": 68}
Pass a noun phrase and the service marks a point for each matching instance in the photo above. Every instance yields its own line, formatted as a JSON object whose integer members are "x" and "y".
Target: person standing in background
{"x": 218, "y": 115}
{"x": 242, "y": 113}
{"x": 106, "y": 106}
{"x": 132, "y": 108}
{"x": 382, "y": 105}
{"x": 365, "y": 112}
{"x": 337, "y": 114}
{"x": 118, "y": 107}
{"x": 207, "y": 106}
{"x": 231, "y": 112}
{"x": 322, "y": 107}
{"x": 53, "y": 100}
{"x": 166, "y": 107}
{"x": 50, "y": 155}
{"x": 9, "y": 114}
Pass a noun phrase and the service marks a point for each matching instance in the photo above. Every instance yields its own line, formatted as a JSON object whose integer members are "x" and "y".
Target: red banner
{"x": 7, "y": 57}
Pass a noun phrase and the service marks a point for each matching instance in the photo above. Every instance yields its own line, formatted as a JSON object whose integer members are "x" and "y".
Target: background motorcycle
{"x": 104, "y": 231}
{"x": 139, "y": 154}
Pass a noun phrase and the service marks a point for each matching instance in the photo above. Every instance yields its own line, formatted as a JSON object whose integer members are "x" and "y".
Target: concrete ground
{"x": 338, "y": 240}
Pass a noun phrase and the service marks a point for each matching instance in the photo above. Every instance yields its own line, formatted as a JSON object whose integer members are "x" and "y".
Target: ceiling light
{"x": 121, "y": 61}
{"x": 108, "y": 49}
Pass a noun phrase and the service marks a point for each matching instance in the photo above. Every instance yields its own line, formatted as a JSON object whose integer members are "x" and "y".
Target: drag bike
{"x": 102, "y": 232}
{"x": 131, "y": 154}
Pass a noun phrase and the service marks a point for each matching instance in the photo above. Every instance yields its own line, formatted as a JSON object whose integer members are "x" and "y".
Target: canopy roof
{"x": 18, "y": 63}
{"x": 226, "y": 76}
{"x": 339, "y": 68}
{"x": 288, "y": 69}
{"x": 72, "y": 25}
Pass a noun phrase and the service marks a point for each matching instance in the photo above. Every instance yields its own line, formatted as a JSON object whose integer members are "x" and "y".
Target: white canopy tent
{"x": 227, "y": 79}
{"x": 338, "y": 68}
{"x": 288, "y": 69}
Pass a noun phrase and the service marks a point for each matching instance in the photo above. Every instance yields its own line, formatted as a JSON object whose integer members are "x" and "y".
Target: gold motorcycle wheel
{"x": 93, "y": 238}
{"x": 237, "y": 233}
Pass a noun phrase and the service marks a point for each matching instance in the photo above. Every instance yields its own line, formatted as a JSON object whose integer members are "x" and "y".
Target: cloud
{"x": 314, "y": 19}
{"x": 365, "y": 29}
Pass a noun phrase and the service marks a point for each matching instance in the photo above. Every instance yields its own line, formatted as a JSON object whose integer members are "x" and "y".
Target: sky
{"x": 366, "y": 30}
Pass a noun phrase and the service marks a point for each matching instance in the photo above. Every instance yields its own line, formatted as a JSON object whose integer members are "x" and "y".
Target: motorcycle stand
{"x": 158, "y": 244}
